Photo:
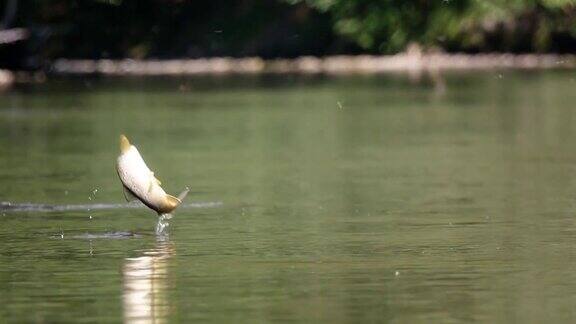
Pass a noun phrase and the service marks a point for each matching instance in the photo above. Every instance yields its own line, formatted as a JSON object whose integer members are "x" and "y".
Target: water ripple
{"x": 7, "y": 206}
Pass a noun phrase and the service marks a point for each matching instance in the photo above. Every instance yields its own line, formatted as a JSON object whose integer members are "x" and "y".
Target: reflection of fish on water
{"x": 145, "y": 284}
{"x": 144, "y": 278}
{"x": 6, "y": 206}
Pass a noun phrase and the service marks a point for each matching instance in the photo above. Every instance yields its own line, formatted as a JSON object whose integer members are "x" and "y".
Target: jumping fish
{"x": 140, "y": 183}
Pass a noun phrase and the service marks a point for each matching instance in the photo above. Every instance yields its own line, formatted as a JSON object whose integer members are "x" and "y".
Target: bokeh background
{"x": 163, "y": 29}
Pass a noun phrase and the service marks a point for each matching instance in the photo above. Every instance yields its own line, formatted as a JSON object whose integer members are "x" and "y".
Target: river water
{"x": 346, "y": 199}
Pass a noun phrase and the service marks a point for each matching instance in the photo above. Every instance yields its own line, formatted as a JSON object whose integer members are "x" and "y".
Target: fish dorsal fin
{"x": 158, "y": 182}
{"x": 129, "y": 195}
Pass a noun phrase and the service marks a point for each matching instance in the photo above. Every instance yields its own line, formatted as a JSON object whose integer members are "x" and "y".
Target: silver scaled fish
{"x": 140, "y": 183}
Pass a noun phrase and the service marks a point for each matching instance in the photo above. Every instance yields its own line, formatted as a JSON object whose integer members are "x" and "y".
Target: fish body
{"x": 140, "y": 183}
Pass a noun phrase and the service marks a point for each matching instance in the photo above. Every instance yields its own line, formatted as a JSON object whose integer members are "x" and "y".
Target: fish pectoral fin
{"x": 129, "y": 195}
{"x": 158, "y": 182}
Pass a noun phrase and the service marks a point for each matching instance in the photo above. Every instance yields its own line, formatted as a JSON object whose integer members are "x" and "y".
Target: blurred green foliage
{"x": 387, "y": 26}
{"x": 281, "y": 28}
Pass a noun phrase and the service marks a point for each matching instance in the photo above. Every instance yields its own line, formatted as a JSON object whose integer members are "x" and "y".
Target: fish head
{"x": 169, "y": 204}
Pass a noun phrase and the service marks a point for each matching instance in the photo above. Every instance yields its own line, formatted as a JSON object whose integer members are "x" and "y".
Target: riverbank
{"x": 6, "y": 79}
{"x": 409, "y": 62}
{"x": 10, "y": 78}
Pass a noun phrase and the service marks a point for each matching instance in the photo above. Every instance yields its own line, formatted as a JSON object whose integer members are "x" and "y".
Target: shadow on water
{"x": 161, "y": 232}
{"x": 107, "y": 235}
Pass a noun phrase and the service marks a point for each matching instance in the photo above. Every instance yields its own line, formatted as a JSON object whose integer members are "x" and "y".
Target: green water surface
{"x": 336, "y": 200}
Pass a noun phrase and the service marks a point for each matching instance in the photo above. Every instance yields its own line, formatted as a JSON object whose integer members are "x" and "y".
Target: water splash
{"x": 163, "y": 224}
